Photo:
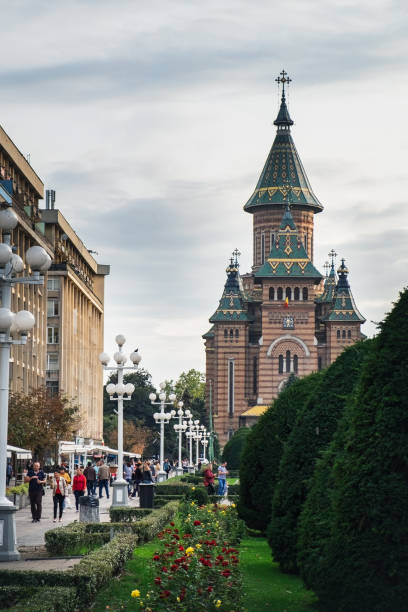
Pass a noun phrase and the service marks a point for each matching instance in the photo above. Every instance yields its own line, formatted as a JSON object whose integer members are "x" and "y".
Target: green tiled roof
{"x": 288, "y": 257}
{"x": 232, "y": 303}
{"x": 283, "y": 172}
{"x": 209, "y": 334}
{"x": 344, "y": 308}
{"x": 329, "y": 288}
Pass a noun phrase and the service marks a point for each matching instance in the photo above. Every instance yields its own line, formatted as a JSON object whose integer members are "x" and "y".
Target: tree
{"x": 312, "y": 432}
{"x": 233, "y": 449}
{"x": 365, "y": 559}
{"x": 135, "y": 437}
{"x": 190, "y": 388}
{"x": 263, "y": 451}
{"x": 39, "y": 420}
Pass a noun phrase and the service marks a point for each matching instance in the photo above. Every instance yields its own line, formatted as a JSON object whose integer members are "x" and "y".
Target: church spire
{"x": 231, "y": 306}
{"x": 344, "y": 308}
{"x": 283, "y": 120}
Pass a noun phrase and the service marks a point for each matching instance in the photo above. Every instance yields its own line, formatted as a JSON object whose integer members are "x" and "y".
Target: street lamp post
{"x": 180, "y": 428}
{"x": 12, "y": 324}
{"x": 204, "y": 442}
{"x": 162, "y": 418}
{"x": 190, "y": 435}
{"x": 120, "y": 486}
{"x": 197, "y": 438}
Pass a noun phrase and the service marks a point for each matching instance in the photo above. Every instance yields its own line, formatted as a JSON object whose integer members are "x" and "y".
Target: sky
{"x": 152, "y": 121}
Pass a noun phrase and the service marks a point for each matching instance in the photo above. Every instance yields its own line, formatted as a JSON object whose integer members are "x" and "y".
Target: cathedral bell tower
{"x": 283, "y": 175}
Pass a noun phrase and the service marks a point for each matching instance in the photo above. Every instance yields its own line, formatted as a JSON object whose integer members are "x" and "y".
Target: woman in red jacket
{"x": 78, "y": 486}
{"x": 209, "y": 479}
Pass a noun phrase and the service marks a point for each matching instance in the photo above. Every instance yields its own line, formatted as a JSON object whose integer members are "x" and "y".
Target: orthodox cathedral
{"x": 284, "y": 317}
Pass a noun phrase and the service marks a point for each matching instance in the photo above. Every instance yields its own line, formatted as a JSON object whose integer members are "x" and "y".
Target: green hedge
{"x": 127, "y": 514}
{"x": 233, "y": 489}
{"x": 192, "y": 478}
{"x": 18, "y": 490}
{"x": 40, "y": 599}
{"x": 161, "y": 500}
{"x": 62, "y": 539}
{"x": 168, "y": 488}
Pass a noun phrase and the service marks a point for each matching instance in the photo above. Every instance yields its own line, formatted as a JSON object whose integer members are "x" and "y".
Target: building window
{"x": 338, "y": 333}
{"x": 319, "y": 363}
{"x": 53, "y": 308}
{"x": 280, "y": 293}
{"x": 226, "y": 334}
{"x": 271, "y": 293}
{"x": 52, "y": 361}
{"x": 53, "y": 284}
{"x": 288, "y": 293}
{"x": 305, "y": 242}
{"x": 231, "y": 389}
{"x": 53, "y": 387}
{"x": 53, "y": 335}
{"x": 297, "y": 294}
{"x": 231, "y": 334}
{"x": 255, "y": 375}
{"x": 305, "y": 294}
{"x": 262, "y": 248}
{"x": 272, "y": 239}
{"x": 280, "y": 364}
{"x": 295, "y": 363}
{"x": 237, "y": 333}
{"x": 349, "y": 333}
{"x": 287, "y": 361}
{"x": 230, "y": 433}
{"x": 343, "y": 333}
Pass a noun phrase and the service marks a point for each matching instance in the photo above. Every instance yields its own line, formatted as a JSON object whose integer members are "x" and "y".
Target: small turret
{"x": 231, "y": 306}
{"x": 344, "y": 308}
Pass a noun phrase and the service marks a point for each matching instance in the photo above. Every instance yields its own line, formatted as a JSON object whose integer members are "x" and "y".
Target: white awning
{"x": 70, "y": 448}
{"x": 22, "y": 453}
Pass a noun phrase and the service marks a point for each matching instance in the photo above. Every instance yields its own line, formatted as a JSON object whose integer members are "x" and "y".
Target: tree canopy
{"x": 233, "y": 449}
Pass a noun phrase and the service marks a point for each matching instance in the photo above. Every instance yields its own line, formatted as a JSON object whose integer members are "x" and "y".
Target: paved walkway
{"x": 32, "y": 534}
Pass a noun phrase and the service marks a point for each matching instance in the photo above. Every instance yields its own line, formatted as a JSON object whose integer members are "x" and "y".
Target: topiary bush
{"x": 365, "y": 559}
{"x": 197, "y": 494}
{"x": 263, "y": 451}
{"x": 120, "y": 514}
{"x": 314, "y": 428}
{"x": 233, "y": 449}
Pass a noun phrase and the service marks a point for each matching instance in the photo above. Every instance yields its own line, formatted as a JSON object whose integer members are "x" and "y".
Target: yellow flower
{"x": 178, "y": 599}
{"x": 218, "y": 603}
{"x": 193, "y": 488}
{"x": 135, "y": 593}
{"x": 198, "y": 545}
{"x": 141, "y": 604}
{"x": 233, "y": 506}
{"x": 189, "y": 550}
{"x": 193, "y": 503}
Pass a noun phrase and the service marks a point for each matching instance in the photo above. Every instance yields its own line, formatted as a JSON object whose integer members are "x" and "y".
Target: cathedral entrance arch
{"x": 287, "y": 338}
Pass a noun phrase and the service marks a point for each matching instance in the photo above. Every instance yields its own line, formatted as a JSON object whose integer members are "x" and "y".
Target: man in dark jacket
{"x": 36, "y": 478}
{"x": 90, "y": 475}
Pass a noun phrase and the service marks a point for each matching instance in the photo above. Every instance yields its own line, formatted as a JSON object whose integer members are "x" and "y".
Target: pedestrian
{"x": 9, "y": 473}
{"x": 137, "y": 478}
{"x": 59, "y": 490}
{"x": 127, "y": 473}
{"x": 209, "y": 479}
{"x": 166, "y": 467}
{"x": 146, "y": 473}
{"x": 36, "y": 478}
{"x": 222, "y": 478}
{"x": 78, "y": 487}
{"x": 104, "y": 475}
{"x": 90, "y": 475}
{"x": 184, "y": 465}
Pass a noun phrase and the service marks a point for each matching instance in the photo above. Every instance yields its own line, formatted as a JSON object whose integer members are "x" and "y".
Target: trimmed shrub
{"x": 233, "y": 449}
{"x": 60, "y": 540}
{"x": 192, "y": 478}
{"x": 263, "y": 451}
{"x": 42, "y": 599}
{"x": 365, "y": 559}
{"x": 314, "y": 429}
{"x": 170, "y": 488}
{"x": 197, "y": 494}
{"x": 127, "y": 514}
{"x": 233, "y": 489}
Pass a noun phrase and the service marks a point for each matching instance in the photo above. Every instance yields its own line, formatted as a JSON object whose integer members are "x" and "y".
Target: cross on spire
{"x": 332, "y": 256}
{"x": 283, "y": 78}
{"x": 236, "y": 254}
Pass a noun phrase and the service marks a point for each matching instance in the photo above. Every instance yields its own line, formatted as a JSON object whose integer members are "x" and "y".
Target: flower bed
{"x": 196, "y": 566}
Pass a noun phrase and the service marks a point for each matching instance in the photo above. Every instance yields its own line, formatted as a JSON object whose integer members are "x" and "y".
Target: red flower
{"x": 156, "y": 558}
{"x": 226, "y": 573}
{"x": 157, "y": 580}
{"x": 225, "y": 563}
{"x": 187, "y": 535}
{"x": 164, "y": 568}
{"x": 175, "y": 536}
{"x": 210, "y": 589}
{"x": 174, "y": 567}
{"x": 220, "y": 557}
{"x": 164, "y": 594}
{"x": 196, "y": 523}
{"x": 181, "y": 547}
{"x": 172, "y": 524}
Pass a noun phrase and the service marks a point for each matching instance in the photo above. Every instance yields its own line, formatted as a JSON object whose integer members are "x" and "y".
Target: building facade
{"x": 75, "y": 321}
{"x": 21, "y": 188}
{"x": 284, "y": 317}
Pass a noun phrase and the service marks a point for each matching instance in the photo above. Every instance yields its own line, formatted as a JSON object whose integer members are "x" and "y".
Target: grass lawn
{"x": 266, "y": 587}
{"x": 136, "y": 575}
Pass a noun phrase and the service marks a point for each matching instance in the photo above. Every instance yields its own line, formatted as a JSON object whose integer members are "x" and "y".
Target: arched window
{"x": 305, "y": 242}
{"x": 287, "y": 361}
{"x": 280, "y": 293}
{"x": 272, "y": 239}
{"x": 271, "y": 293}
{"x": 305, "y": 293}
{"x": 225, "y": 333}
{"x": 349, "y": 333}
{"x": 343, "y": 333}
{"x": 297, "y": 294}
{"x": 338, "y": 333}
{"x": 231, "y": 334}
{"x": 295, "y": 364}
{"x": 280, "y": 364}
{"x": 319, "y": 363}
{"x": 288, "y": 293}
{"x": 237, "y": 333}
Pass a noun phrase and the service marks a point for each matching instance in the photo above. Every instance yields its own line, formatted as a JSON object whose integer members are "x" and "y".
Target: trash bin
{"x": 89, "y": 509}
{"x": 146, "y": 494}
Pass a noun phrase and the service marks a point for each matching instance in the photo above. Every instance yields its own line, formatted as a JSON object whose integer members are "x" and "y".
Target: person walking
{"x": 222, "y": 478}
{"x": 104, "y": 475}
{"x": 90, "y": 475}
{"x": 127, "y": 473}
{"x": 36, "y": 478}
{"x": 78, "y": 487}
{"x": 146, "y": 473}
{"x": 9, "y": 473}
{"x": 209, "y": 479}
{"x": 59, "y": 490}
{"x": 137, "y": 478}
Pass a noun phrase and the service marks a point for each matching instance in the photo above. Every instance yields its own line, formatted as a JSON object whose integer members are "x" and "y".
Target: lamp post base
{"x": 161, "y": 476}
{"x": 179, "y": 471}
{"x": 120, "y": 493}
{"x": 191, "y": 469}
{"x": 8, "y": 541}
